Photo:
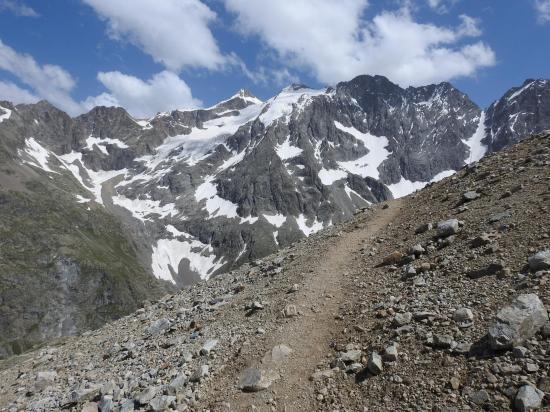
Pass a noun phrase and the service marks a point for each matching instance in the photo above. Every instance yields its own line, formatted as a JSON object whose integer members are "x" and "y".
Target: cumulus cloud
{"x": 175, "y": 33}
{"x": 46, "y": 81}
{"x": 17, "y": 8}
{"x": 542, "y": 7}
{"x": 162, "y": 92}
{"x": 334, "y": 42}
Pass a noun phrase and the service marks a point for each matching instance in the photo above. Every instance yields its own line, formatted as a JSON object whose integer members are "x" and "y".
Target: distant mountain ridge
{"x": 198, "y": 192}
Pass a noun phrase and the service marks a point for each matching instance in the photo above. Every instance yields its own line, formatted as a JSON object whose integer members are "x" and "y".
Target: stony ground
{"x": 390, "y": 311}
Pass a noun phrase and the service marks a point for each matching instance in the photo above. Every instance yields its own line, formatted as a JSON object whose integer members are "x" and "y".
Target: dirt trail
{"x": 308, "y": 335}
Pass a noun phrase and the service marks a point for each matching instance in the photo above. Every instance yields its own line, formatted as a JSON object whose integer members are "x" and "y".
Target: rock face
{"x": 517, "y": 322}
{"x": 130, "y": 208}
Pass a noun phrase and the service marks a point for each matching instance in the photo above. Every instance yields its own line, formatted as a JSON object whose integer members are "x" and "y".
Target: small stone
{"x": 106, "y": 404}
{"x": 454, "y": 382}
{"x": 520, "y": 352}
{"x": 416, "y": 250}
{"x": 470, "y": 195}
{"x": 447, "y": 227}
{"x": 375, "y": 365}
{"x": 540, "y": 260}
{"x": 208, "y": 346}
{"x": 161, "y": 403}
{"x": 463, "y": 317}
{"x": 481, "y": 240}
{"x": 402, "y": 319}
{"x": 290, "y": 311}
{"x": 200, "y": 373}
{"x": 351, "y": 356}
{"x": 480, "y": 397}
{"x": 423, "y": 228}
{"x": 159, "y": 326}
{"x": 294, "y": 288}
{"x": 528, "y": 398}
{"x": 145, "y": 396}
{"x": 254, "y": 380}
{"x": 320, "y": 375}
{"x": 443, "y": 341}
{"x": 127, "y": 405}
{"x": 391, "y": 353}
{"x": 393, "y": 258}
{"x": 177, "y": 384}
{"x": 280, "y": 353}
{"x": 90, "y": 407}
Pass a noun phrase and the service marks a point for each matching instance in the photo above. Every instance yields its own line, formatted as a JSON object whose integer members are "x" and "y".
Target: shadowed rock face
{"x": 189, "y": 194}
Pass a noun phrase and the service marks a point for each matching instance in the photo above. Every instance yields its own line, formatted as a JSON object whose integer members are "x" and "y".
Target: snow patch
{"x": 405, "y": 187}
{"x": 94, "y": 180}
{"x": 81, "y": 199}
{"x": 6, "y": 114}
{"x": 286, "y": 151}
{"x": 301, "y": 220}
{"x": 282, "y": 105}
{"x": 366, "y": 165}
{"x": 101, "y": 143}
{"x": 142, "y": 208}
{"x": 192, "y": 147}
{"x": 328, "y": 177}
{"x": 38, "y": 155}
{"x": 168, "y": 253}
{"x": 276, "y": 220}
{"x": 477, "y": 148}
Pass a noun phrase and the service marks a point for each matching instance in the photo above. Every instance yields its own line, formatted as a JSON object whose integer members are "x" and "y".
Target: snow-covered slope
{"x": 205, "y": 190}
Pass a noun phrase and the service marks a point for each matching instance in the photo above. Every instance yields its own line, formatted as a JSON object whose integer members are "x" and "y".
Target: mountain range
{"x": 103, "y": 211}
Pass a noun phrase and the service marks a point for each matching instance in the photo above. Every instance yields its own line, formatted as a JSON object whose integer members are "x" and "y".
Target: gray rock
{"x": 391, "y": 353}
{"x": 351, "y": 356}
{"x": 416, "y": 250}
{"x": 255, "y": 380}
{"x": 208, "y": 346}
{"x": 540, "y": 260}
{"x": 145, "y": 396}
{"x": 423, "y": 228}
{"x": 177, "y": 384}
{"x": 161, "y": 403}
{"x": 463, "y": 317}
{"x": 447, "y": 227}
{"x": 517, "y": 322}
{"x": 106, "y": 404}
{"x": 159, "y": 326}
{"x": 290, "y": 311}
{"x": 402, "y": 319}
{"x": 127, "y": 405}
{"x": 442, "y": 341}
{"x": 528, "y": 398}
{"x": 470, "y": 195}
{"x": 280, "y": 353}
{"x": 200, "y": 373}
{"x": 90, "y": 407}
{"x": 375, "y": 364}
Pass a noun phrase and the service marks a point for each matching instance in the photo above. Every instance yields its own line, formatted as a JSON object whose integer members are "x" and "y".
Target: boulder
{"x": 447, "y": 228}
{"x": 517, "y": 322}
{"x": 528, "y": 398}
{"x": 540, "y": 260}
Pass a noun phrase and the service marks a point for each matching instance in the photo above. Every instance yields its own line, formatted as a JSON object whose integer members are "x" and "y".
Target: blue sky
{"x": 150, "y": 55}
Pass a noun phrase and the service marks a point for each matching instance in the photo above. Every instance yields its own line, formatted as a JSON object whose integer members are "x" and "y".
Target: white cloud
{"x": 48, "y": 81}
{"x": 17, "y": 8}
{"x": 13, "y": 93}
{"x": 542, "y": 7}
{"x": 441, "y": 6}
{"x": 334, "y": 43}
{"x": 175, "y": 33}
{"x": 164, "y": 91}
